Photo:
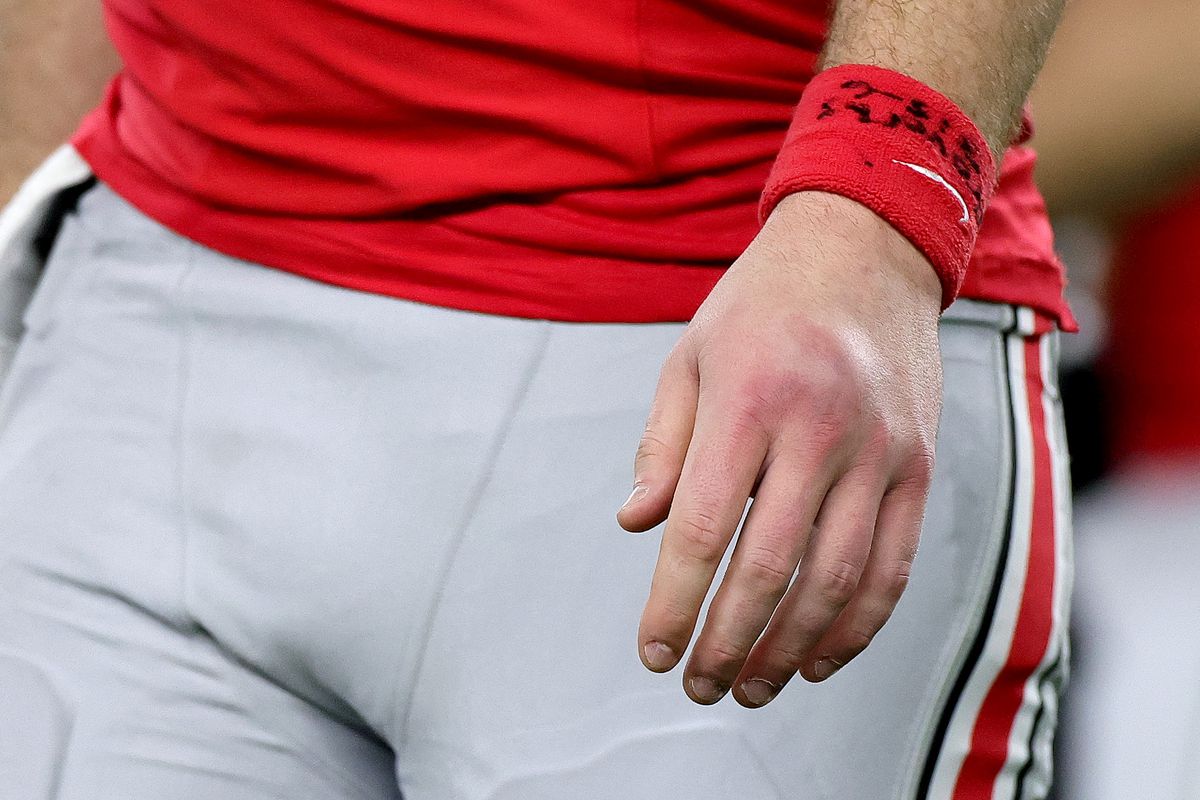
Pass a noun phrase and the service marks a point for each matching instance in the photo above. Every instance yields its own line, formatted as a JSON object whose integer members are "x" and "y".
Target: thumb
{"x": 660, "y": 454}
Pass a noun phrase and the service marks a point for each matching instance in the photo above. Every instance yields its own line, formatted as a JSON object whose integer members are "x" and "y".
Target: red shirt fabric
{"x": 558, "y": 160}
{"x": 1152, "y": 358}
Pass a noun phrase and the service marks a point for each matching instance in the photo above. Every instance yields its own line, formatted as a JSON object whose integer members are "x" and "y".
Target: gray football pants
{"x": 262, "y": 537}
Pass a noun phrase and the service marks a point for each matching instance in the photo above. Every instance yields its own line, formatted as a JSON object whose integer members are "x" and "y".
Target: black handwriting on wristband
{"x": 869, "y": 105}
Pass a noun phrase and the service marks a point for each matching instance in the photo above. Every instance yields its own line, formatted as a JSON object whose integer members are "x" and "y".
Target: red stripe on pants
{"x": 1031, "y": 637}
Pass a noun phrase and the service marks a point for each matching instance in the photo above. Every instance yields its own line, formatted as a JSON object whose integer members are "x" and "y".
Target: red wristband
{"x": 898, "y": 147}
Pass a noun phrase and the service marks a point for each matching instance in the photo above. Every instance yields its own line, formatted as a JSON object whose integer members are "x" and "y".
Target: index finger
{"x": 720, "y": 469}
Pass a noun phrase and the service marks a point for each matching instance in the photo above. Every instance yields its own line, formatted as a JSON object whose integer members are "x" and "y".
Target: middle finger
{"x": 764, "y": 562}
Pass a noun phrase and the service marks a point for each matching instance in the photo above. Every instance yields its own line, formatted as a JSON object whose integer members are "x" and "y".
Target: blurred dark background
{"x": 1118, "y": 130}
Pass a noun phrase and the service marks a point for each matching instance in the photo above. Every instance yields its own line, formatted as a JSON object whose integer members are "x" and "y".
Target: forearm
{"x": 54, "y": 61}
{"x": 982, "y": 54}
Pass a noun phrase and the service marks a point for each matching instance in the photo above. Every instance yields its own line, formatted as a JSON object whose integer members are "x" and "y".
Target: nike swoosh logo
{"x": 933, "y": 176}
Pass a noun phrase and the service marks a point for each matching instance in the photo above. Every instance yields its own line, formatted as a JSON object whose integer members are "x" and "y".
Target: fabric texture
{"x": 898, "y": 147}
{"x": 566, "y": 160}
{"x": 265, "y": 537}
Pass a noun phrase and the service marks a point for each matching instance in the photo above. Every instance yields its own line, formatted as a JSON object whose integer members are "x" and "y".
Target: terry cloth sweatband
{"x": 898, "y": 147}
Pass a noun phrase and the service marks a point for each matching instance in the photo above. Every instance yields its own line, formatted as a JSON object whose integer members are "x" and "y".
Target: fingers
{"x": 762, "y": 567}
{"x": 828, "y": 578}
{"x": 705, "y": 450}
{"x": 722, "y": 465}
{"x": 663, "y": 446}
{"x": 883, "y": 582}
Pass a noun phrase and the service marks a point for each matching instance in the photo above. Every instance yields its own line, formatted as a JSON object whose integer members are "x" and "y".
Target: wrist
{"x": 898, "y": 148}
{"x": 880, "y": 253}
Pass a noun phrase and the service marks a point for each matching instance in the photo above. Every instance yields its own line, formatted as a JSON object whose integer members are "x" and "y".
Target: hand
{"x": 810, "y": 380}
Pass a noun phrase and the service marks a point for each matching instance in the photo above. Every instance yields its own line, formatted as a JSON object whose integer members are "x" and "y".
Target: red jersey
{"x": 563, "y": 160}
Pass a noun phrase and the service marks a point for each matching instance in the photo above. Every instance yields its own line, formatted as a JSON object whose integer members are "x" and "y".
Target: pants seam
{"x": 401, "y": 713}
{"x": 182, "y": 386}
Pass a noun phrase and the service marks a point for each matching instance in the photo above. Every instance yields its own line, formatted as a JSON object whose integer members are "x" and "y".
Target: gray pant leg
{"x": 404, "y": 516}
{"x": 109, "y": 689}
{"x": 530, "y": 686}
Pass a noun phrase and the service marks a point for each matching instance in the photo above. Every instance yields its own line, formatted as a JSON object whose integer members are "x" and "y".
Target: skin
{"x": 810, "y": 380}
{"x": 54, "y": 62}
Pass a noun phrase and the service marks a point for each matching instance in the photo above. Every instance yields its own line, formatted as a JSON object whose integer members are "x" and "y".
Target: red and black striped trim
{"x": 982, "y": 743}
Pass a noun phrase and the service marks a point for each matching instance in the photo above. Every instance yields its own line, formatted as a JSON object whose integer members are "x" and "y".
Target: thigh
{"x": 110, "y": 688}
{"x": 530, "y": 686}
{"x": 105, "y": 701}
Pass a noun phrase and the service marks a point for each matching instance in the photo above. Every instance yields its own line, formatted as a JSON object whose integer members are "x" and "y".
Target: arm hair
{"x": 982, "y": 54}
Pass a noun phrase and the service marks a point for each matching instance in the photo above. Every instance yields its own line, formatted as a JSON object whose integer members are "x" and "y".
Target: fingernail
{"x": 659, "y": 657}
{"x": 706, "y": 690}
{"x": 639, "y": 491}
{"x": 825, "y": 668}
{"x": 759, "y": 692}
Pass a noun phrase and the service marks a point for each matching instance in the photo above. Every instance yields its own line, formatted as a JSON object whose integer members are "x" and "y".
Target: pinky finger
{"x": 884, "y": 579}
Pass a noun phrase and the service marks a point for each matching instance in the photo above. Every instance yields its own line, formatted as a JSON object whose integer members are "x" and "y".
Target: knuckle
{"x": 723, "y": 658}
{"x": 766, "y": 571}
{"x": 846, "y": 394}
{"x": 880, "y": 441}
{"x": 674, "y": 617}
{"x": 750, "y": 417}
{"x": 839, "y": 413}
{"x": 773, "y": 386}
{"x": 651, "y": 448}
{"x": 829, "y": 428}
{"x": 682, "y": 356}
{"x": 854, "y": 641}
{"x": 790, "y": 654}
{"x": 919, "y": 469}
{"x": 673, "y": 620}
{"x": 668, "y": 620}
{"x": 837, "y": 581}
{"x": 785, "y": 388}
{"x": 828, "y": 400}
{"x": 894, "y": 583}
{"x": 768, "y": 398}
{"x": 700, "y": 535}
